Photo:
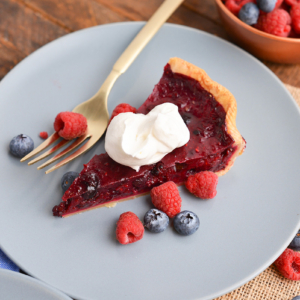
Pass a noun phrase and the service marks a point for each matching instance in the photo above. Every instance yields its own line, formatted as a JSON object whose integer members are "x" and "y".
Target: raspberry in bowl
{"x": 281, "y": 48}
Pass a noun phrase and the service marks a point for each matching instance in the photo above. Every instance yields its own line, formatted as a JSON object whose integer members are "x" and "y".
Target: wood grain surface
{"x": 26, "y": 25}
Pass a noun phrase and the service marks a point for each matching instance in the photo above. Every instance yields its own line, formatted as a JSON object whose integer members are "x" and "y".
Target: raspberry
{"x": 288, "y": 263}
{"x": 294, "y": 35}
{"x": 70, "y": 125}
{"x": 278, "y": 4}
{"x": 291, "y": 2}
{"x": 235, "y": 5}
{"x": 122, "y": 108}
{"x": 203, "y": 184}
{"x": 295, "y": 15}
{"x": 44, "y": 135}
{"x": 167, "y": 199}
{"x": 129, "y": 228}
{"x": 276, "y": 22}
{"x": 284, "y": 6}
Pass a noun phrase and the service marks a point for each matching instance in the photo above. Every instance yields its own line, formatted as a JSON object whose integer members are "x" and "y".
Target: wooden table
{"x": 26, "y": 25}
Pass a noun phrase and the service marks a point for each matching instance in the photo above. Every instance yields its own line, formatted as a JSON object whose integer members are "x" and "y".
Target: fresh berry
{"x": 291, "y": 2}
{"x": 284, "y": 6}
{"x": 235, "y": 5}
{"x": 296, "y": 298}
{"x": 155, "y": 220}
{"x": 295, "y": 15}
{"x": 278, "y": 4}
{"x": 186, "y": 222}
{"x": 249, "y": 13}
{"x": 295, "y": 243}
{"x": 70, "y": 125}
{"x": 294, "y": 35}
{"x": 288, "y": 264}
{"x": 21, "y": 145}
{"x": 203, "y": 184}
{"x": 166, "y": 198}
{"x": 129, "y": 228}
{"x": 266, "y": 5}
{"x": 44, "y": 135}
{"x": 68, "y": 179}
{"x": 276, "y": 22}
{"x": 122, "y": 108}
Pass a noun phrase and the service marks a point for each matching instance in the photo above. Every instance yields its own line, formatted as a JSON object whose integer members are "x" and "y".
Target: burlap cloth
{"x": 270, "y": 284}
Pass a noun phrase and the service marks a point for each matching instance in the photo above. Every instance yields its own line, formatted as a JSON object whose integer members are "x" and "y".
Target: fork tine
{"x": 65, "y": 151}
{"x": 50, "y": 140}
{"x": 50, "y": 151}
{"x": 78, "y": 152}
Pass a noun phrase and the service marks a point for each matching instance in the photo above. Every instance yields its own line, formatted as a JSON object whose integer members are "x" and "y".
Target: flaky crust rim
{"x": 222, "y": 95}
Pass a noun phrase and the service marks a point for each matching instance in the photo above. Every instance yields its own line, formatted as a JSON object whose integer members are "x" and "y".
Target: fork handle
{"x": 145, "y": 35}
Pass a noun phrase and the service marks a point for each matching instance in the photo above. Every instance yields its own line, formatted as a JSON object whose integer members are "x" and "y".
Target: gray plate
{"x": 16, "y": 286}
{"x": 243, "y": 229}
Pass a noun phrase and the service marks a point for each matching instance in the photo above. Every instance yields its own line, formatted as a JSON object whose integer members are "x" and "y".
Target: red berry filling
{"x": 167, "y": 199}
{"x": 70, "y": 125}
{"x": 288, "y": 264}
{"x": 129, "y": 228}
{"x": 210, "y": 147}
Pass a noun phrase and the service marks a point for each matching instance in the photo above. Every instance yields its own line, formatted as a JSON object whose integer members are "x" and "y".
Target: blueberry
{"x": 249, "y": 13}
{"x": 68, "y": 179}
{"x": 21, "y": 145}
{"x": 266, "y": 5}
{"x": 296, "y": 298}
{"x": 186, "y": 222}
{"x": 155, "y": 220}
{"x": 295, "y": 243}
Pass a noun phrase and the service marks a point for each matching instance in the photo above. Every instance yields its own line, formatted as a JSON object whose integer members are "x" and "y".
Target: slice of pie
{"x": 209, "y": 111}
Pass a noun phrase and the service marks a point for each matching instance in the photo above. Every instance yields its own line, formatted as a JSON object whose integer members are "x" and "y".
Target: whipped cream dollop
{"x": 135, "y": 140}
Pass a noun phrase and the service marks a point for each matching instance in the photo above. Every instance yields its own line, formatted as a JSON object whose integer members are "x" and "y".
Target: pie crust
{"x": 222, "y": 95}
{"x": 74, "y": 199}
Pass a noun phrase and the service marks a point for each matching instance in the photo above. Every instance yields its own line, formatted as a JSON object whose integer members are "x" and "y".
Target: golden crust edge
{"x": 222, "y": 95}
{"x": 108, "y": 205}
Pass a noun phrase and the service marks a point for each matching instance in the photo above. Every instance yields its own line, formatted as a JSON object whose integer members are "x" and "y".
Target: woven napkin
{"x": 270, "y": 284}
{"x": 6, "y": 263}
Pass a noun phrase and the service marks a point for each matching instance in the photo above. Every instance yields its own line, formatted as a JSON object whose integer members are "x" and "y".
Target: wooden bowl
{"x": 261, "y": 44}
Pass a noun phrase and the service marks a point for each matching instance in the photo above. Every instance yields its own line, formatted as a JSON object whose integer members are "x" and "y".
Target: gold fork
{"x": 95, "y": 109}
